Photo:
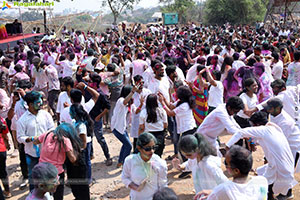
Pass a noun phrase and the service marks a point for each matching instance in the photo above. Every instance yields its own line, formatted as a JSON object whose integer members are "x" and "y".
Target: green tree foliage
{"x": 118, "y": 6}
{"x": 234, "y": 11}
{"x": 182, "y": 7}
{"x": 31, "y": 16}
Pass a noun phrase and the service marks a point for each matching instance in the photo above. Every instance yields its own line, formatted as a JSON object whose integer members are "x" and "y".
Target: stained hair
{"x": 278, "y": 83}
{"x": 18, "y": 67}
{"x": 32, "y": 96}
{"x": 144, "y": 139}
{"x": 184, "y": 94}
{"x": 230, "y": 78}
{"x": 66, "y": 130}
{"x": 24, "y": 84}
{"x": 137, "y": 78}
{"x": 196, "y": 143}
{"x": 43, "y": 172}
{"x": 217, "y": 74}
{"x": 81, "y": 116}
{"x": 241, "y": 159}
{"x": 165, "y": 194}
{"x": 96, "y": 78}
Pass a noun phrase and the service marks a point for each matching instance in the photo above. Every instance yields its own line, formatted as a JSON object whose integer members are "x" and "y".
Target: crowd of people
{"x": 189, "y": 84}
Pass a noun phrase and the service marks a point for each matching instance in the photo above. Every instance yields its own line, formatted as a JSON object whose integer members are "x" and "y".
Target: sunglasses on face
{"x": 150, "y": 148}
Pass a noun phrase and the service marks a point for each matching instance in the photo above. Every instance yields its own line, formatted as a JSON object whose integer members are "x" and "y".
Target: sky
{"x": 94, "y": 5}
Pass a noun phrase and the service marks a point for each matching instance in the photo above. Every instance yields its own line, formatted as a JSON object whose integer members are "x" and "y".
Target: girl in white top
{"x": 182, "y": 110}
{"x": 85, "y": 129}
{"x": 144, "y": 173}
{"x": 202, "y": 161}
{"x": 238, "y": 164}
{"x": 250, "y": 101}
{"x": 118, "y": 121}
{"x": 153, "y": 119}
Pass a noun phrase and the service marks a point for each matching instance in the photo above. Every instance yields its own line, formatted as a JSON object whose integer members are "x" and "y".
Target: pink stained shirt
{"x": 50, "y": 151}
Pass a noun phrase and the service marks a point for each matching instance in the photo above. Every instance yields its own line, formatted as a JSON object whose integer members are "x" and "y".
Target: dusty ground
{"x": 108, "y": 182}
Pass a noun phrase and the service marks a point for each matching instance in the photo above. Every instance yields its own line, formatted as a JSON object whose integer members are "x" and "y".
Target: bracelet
{"x": 164, "y": 107}
{"x": 32, "y": 138}
{"x": 85, "y": 87}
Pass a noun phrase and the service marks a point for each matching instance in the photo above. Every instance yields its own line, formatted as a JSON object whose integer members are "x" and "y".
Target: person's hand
{"x": 190, "y": 84}
{"x": 142, "y": 185}
{"x": 202, "y": 195}
{"x": 134, "y": 89}
{"x": 66, "y": 104}
{"x": 176, "y": 163}
{"x": 161, "y": 97}
{"x": 81, "y": 85}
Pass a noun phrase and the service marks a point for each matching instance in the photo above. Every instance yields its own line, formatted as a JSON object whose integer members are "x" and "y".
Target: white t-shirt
{"x": 277, "y": 70}
{"x": 184, "y": 118}
{"x": 250, "y": 102}
{"x": 255, "y": 189}
{"x": 215, "y": 94}
{"x": 67, "y": 68}
{"x": 139, "y": 67}
{"x": 62, "y": 98}
{"x": 52, "y": 76}
{"x": 118, "y": 120}
{"x": 161, "y": 86}
{"x": 82, "y": 130}
{"x": 237, "y": 64}
{"x": 157, "y": 126}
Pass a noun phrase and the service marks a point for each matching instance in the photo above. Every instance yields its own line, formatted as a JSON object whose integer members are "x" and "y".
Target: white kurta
{"x": 217, "y": 122}
{"x": 280, "y": 167}
{"x": 256, "y": 188}
{"x": 136, "y": 170}
{"x": 207, "y": 173}
{"x": 290, "y": 130}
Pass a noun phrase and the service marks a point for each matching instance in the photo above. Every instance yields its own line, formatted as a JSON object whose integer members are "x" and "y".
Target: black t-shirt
{"x": 101, "y": 103}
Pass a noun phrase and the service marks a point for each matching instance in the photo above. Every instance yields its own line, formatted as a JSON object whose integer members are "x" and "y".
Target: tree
{"x": 118, "y": 6}
{"x": 234, "y": 11}
{"x": 180, "y": 6}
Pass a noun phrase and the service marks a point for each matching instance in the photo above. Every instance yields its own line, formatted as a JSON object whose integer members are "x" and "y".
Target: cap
{"x": 273, "y": 103}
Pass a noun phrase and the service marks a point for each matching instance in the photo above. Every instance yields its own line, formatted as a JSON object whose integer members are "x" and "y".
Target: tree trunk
{"x": 115, "y": 19}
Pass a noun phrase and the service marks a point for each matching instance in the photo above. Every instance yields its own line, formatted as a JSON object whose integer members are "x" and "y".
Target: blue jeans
{"x": 31, "y": 162}
{"x": 87, "y": 153}
{"x": 98, "y": 130}
{"x": 172, "y": 128}
{"x": 126, "y": 147}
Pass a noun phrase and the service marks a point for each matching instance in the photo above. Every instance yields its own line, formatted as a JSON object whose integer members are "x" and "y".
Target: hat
{"x": 273, "y": 103}
{"x": 99, "y": 66}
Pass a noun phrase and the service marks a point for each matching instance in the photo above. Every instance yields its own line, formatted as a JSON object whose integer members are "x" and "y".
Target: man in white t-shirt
{"x": 279, "y": 171}
{"x": 238, "y": 163}
{"x": 277, "y": 66}
{"x": 139, "y": 65}
{"x": 53, "y": 86}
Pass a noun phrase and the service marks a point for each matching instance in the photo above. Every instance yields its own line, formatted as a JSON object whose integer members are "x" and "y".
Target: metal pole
{"x": 285, "y": 8}
{"x": 45, "y": 19}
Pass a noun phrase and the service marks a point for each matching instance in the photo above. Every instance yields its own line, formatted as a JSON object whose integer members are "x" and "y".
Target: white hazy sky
{"x": 94, "y": 4}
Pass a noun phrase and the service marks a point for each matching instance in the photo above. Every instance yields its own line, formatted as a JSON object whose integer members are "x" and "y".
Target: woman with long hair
{"x": 231, "y": 85}
{"x": 145, "y": 172}
{"x": 58, "y": 145}
{"x": 200, "y": 92}
{"x": 226, "y": 66}
{"x": 118, "y": 121}
{"x": 85, "y": 128}
{"x": 153, "y": 119}
{"x": 183, "y": 112}
{"x": 202, "y": 161}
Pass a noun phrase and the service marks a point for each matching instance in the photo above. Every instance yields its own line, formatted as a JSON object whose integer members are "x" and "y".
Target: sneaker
{"x": 184, "y": 174}
{"x": 108, "y": 162}
{"x": 7, "y": 194}
{"x": 285, "y": 197}
{"x": 23, "y": 185}
{"x": 119, "y": 165}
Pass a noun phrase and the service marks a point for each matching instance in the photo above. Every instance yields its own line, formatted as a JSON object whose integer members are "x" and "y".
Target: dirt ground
{"x": 108, "y": 181}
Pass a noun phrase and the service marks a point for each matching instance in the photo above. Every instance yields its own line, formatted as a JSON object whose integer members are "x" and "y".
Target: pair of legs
{"x": 31, "y": 162}
{"x": 126, "y": 147}
{"x": 98, "y": 130}
{"x": 3, "y": 173}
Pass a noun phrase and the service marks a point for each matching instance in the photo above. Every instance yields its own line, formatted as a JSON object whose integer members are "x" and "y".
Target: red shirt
{"x": 5, "y": 131}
